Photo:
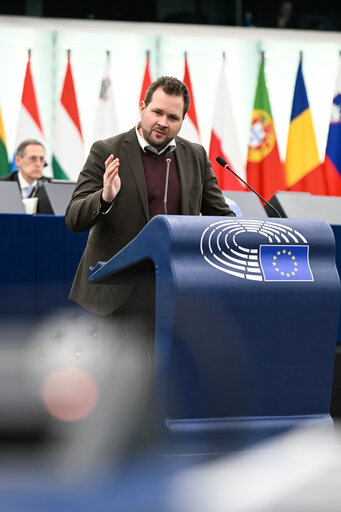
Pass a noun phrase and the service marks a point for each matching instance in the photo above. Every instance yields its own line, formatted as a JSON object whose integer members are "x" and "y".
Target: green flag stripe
{"x": 262, "y": 99}
{"x": 4, "y": 164}
{"x": 58, "y": 172}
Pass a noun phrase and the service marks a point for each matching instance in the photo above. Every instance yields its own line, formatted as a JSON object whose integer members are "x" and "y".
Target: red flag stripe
{"x": 226, "y": 179}
{"x": 147, "y": 80}
{"x": 29, "y": 100}
{"x": 191, "y": 111}
{"x": 68, "y": 98}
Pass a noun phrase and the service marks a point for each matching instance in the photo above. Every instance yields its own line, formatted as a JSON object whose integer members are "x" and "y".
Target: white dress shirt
{"x": 25, "y": 187}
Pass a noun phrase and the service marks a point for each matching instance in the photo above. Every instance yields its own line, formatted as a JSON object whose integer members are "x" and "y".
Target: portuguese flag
{"x": 264, "y": 169}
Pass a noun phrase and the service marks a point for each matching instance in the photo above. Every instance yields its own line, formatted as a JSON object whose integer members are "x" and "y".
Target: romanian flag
{"x": 332, "y": 162}
{"x": 4, "y": 164}
{"x": 68, "y": 146}
{"x": 265, "y": 172}
{"x": 303, "y": 169}
{"x": 224, "y": 140}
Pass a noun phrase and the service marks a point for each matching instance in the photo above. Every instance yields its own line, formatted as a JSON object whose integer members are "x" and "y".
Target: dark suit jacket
{"x": 110, "y": 232}
{"x": 44, "y": 205}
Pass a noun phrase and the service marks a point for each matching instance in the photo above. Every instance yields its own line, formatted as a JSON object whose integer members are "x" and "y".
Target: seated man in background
{"x": 30, "y": 160}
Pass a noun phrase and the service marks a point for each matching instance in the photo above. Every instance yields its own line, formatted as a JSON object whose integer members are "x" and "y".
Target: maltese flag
{"x": 106, "y": 124}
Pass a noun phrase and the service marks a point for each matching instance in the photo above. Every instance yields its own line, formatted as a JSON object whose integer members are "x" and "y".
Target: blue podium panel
{"x": 39, "y": 258}
{"x": 74, "y": 245}
{"x": 49, "y": 243}
{"x": 58, "y": 252}
{"x": 246, "y": 321}
{"x": 337, "y": 234}
{"x": 18, "y": 273}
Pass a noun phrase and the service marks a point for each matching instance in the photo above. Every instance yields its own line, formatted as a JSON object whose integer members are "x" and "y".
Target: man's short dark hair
{"x": 27, "y": 142}
{"x": 171, "y": 86}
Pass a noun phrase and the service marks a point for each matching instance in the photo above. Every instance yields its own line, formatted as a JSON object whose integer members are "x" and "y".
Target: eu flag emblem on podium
{"x": 285, "y": 263}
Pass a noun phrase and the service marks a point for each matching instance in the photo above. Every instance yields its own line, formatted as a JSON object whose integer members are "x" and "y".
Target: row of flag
{"x": 264, "y": 171}
{"x": 68, "y": 154}
{"x": 302, "y": 170}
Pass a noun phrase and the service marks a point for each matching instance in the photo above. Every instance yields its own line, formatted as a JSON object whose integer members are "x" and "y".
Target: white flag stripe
{"x": 27, "y": 128}
{"x": 189, "y": 131}
{"x": 224, "y": 126}
{"x": 106, "y": 124}
{"x": 69, "y": 147}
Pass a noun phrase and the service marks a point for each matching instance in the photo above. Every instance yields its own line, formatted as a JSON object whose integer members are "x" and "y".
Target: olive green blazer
{"x": 110, "y": 232}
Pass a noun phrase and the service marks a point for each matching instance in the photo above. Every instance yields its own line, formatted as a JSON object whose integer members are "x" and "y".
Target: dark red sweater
{"x": 155, "y": 168}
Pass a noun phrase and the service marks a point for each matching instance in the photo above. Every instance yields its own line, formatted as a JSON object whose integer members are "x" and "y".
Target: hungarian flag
{"x": 190, "y": 126}
{"x": 224, "y": 140}
{"x": 106, "y": 124}
{"x": 303, "y": 169}
{"x": 4, "y": 164}
{"x": 147, "y": 79}
{"x": 332, "y": 161}
{"x": 68, "y": 146}
{"x": 265, "y": 172}
{"x": 29, "y": 123}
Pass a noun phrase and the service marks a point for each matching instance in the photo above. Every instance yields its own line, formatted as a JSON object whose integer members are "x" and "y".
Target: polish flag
{"x": 224, "y": 140}
{"x": 68, "y": 146}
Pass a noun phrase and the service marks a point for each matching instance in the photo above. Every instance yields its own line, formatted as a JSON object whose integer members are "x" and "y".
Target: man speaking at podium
{"x": 126, "y": 180}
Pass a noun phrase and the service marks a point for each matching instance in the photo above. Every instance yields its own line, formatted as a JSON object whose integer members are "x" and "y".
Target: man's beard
{"x": 153, "y": 143}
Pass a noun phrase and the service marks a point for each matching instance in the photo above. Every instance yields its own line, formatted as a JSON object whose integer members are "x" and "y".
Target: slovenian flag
{"x": 68, "y": 146}
{"x": 332, "y": 162}
{"x": 303, "y": 169}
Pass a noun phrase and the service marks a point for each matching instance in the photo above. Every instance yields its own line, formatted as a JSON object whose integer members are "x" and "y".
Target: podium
{"x": 246, "y": 324}
{"x": 38, "y": 261}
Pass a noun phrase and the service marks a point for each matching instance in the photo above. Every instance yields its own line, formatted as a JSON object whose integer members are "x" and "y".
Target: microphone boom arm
{"x": 224, "y": 164}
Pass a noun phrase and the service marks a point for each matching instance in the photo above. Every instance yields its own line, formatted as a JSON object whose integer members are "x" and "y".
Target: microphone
{"x": 168, "y": 161}
{"x": 224, "y": 164}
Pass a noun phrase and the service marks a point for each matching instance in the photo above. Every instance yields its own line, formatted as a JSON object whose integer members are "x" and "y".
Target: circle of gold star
{"x": 276, "y": 260}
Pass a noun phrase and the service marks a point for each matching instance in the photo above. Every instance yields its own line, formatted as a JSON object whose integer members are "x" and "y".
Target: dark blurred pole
{"x": 239, "y": 13}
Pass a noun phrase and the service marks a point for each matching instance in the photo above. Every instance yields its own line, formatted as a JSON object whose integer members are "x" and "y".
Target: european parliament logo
{"x": 285, "y": 262}
{"x": 256, "y": 250}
